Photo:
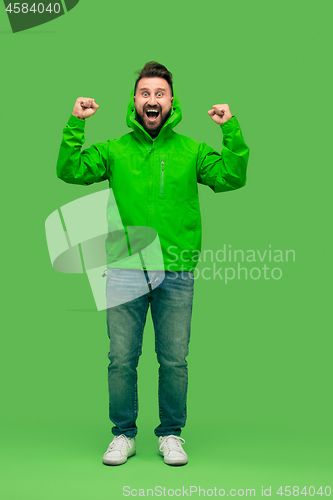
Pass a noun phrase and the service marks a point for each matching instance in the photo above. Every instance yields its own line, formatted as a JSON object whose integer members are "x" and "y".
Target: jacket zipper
{"x": 162, "y": 177}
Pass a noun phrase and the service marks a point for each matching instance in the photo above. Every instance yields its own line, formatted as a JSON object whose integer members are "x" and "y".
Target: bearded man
{"x": 154, "y": 174}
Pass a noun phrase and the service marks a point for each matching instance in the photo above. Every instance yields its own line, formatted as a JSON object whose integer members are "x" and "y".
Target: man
{"x": 153, "y": 173}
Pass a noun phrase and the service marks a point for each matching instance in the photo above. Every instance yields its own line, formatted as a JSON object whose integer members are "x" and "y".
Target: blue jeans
{"x": 171, "y": 309}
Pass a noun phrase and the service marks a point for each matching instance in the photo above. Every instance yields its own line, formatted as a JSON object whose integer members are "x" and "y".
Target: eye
{"x": 160, "y": 94}
{"x": 144, "y": 94}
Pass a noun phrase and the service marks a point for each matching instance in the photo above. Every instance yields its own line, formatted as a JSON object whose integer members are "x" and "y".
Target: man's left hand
{"x": 220, "y": 113}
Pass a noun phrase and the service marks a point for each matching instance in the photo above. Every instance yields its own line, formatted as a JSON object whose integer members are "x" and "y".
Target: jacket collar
{"x": 173, "y": 120}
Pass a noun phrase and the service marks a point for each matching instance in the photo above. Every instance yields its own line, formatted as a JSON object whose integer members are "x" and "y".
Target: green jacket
{"x": 155, "y": 183}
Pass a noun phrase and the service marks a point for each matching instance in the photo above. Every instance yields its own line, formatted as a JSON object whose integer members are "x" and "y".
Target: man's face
{"x": 153, "y": 101}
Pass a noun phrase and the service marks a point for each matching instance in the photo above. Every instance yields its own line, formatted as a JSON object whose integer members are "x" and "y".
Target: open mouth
{"x": 152, "y": 114}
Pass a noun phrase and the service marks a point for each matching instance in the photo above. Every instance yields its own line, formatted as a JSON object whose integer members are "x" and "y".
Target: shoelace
{"x": 119, "y": 442}
{"x": 172, "y": 443}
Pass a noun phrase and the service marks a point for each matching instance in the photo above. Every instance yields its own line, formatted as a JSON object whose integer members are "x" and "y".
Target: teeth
{"x": 152, "y": 111}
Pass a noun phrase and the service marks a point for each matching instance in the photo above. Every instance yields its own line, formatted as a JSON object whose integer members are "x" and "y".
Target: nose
{"x": 152, "y": 100}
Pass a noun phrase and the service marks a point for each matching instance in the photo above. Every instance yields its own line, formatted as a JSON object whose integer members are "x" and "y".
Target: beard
{"x": 152, "y": 131}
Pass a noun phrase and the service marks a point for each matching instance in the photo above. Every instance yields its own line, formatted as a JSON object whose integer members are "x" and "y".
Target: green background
{"x": 260, "y": 363}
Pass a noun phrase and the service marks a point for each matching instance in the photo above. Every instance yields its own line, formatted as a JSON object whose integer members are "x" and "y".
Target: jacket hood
{"x": 173, "y": 120}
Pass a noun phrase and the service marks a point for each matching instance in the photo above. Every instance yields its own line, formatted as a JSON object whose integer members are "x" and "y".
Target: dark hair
{"x": 154, "y": 69}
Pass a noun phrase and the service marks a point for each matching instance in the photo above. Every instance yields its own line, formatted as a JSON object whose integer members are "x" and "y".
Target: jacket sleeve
{"x": 81, "y": 167}
{"x": 225, "y": 171}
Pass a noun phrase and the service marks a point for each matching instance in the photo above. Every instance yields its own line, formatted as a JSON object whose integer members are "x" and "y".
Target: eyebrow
{"x": 145, "y": 88}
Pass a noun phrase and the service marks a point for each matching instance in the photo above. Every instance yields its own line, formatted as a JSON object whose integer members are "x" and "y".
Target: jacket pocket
{"x": 162, "y": 177}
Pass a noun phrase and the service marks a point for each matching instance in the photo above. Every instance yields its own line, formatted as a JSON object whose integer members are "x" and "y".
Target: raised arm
{"x": 81, "y": 167}
{"x": 225, "y": 171}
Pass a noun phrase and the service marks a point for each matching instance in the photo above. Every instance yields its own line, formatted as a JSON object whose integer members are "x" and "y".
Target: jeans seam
{"x": 156, "y": 351}
{"x": 139, "y": 352}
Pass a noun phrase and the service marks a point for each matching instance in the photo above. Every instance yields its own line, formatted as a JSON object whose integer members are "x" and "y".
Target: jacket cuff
{"x": 75, "y": 122}
{"x": 229, "y": 125}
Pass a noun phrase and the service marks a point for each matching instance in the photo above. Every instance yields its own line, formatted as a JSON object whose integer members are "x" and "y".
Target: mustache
{"x": 147, "y": 106}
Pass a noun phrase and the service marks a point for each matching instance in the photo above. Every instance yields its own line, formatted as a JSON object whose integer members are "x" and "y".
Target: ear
{"x": 172, "y": 99}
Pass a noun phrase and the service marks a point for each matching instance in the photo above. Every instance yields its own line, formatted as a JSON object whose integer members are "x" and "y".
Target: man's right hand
{"x": 84, "y": 107}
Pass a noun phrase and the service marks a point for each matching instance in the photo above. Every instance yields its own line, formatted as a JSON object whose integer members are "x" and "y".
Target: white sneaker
{"x": 170, "y": 447}
{"x": 119, "y": 450}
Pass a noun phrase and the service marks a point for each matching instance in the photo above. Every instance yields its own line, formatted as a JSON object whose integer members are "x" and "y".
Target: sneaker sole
{"x": 169, "y": 461}
{"x": 117, "y": 462}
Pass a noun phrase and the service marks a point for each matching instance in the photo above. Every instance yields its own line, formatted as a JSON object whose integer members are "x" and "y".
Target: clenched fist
{"x": 220, "y": 113}
{"x": 84, "y": 107}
